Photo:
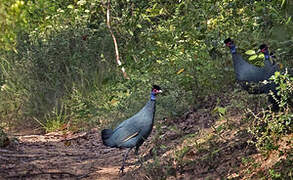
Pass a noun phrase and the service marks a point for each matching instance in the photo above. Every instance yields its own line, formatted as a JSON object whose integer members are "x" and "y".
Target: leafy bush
{"x": 3, "y": 138}
{"x": 57, "y": 59}
{"x": 268, "y": 127}
{"x": 43, "y": 71}
{"x": 285, "y": 88}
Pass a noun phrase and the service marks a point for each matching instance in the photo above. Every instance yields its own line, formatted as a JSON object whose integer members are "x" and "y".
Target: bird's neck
{"x": 267, "y": 55}
{"x": 233, "y": 49}
{"x": 153, "y": 96}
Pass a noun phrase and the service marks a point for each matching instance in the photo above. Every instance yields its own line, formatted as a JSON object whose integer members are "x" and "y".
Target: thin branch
{"x": 114, "y": 40}
{"x": 48, "y": 173}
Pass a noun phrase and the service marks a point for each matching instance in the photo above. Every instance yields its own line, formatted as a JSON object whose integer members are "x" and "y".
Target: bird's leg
{"x": 140, "y": 160}
{"x": 136, "y": 153}
{"x": 124, "y": 159}
{"x": 136, "y": 150}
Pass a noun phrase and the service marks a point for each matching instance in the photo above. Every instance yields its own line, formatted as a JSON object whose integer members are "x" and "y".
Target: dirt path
{"x": 83, "y": 156}
{"x": 56, "y": 156}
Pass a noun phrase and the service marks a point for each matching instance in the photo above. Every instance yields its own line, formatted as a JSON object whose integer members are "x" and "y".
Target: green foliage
{"x": 58, "y": 68}
{"x": 48, "y": 68}
{"x": 269, "y": 127}
{"x": 282, "y": 169}
{"x": 285, "y": 88}
{"x": 3, "y": 138}
{"x": 58, "y": 55}
{"x": 274, "y": 175}
{"x": 254, "y": 58}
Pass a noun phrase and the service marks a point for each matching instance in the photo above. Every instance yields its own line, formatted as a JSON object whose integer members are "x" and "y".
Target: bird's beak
{"x": 160, "y": 91}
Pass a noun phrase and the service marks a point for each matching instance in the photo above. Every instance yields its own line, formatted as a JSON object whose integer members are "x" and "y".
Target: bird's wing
{"x": 125, "y": 133}
{"x": 131, "y": 136}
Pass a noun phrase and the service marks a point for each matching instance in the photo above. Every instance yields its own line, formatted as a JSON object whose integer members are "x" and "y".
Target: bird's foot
{"x": 140, "y": 161}
{"x": 121, "y": 171}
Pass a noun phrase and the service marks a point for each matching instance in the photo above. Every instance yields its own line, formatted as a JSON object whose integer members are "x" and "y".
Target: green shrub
{"x": 268, "y": 127}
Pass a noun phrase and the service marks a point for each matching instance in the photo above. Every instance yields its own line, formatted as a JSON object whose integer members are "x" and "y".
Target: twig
{"x": 42, "y": 173}
{"x": 114, "y": 40}
{"x": 6, "y": 151}
{"x": 4, "y": 158}
{"x": 76, "y": 136}
{"x": 60, "y": 154}
{"x": 215, "y": 131}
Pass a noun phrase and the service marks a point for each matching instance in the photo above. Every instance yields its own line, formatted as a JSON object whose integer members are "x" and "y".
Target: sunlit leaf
{"x": 70, "y": 6}
{"x": 283, "y": 2}
{"x": 180, "y": 71}
{"x": 277, "y": 73}
{"x": 261, "y": 56}
{"x": 289, "y": 19}
{"x": 114, "y": 102}
{"x": 159, "y": 61}
{"x": 222, "y": 110}
{"x": 252, "y": 57}
{"x": 250, "y": 52}
{"x": 139, "y": 26}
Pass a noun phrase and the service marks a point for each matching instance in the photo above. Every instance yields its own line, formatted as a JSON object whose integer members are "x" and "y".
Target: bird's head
{"x": 156, "y": 89}
{"x": 228, "y": 42}
{"x": 263, "y": 48}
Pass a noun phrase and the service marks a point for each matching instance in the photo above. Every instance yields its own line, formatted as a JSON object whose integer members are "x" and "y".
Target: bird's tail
{"x": 106, "y": 134}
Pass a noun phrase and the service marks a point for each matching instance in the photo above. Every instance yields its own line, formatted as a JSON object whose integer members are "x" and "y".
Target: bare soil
{"x": 81, "y": 155}
{"x": 61, "y": 156}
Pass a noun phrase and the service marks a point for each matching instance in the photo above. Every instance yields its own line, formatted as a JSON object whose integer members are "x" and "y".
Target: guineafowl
{"x": 272, "y": 67}
{"x": 135, "y": 130}
{"x": 270, "y": 86}
{"x": 247, "y": 72}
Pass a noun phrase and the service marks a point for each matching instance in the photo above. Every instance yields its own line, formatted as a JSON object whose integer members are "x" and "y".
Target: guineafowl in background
{"x": 135, "y": 130}
{"x": 270, "y": 66}
{"x": 270, "y": 86}
{"x": 248, "y": 72}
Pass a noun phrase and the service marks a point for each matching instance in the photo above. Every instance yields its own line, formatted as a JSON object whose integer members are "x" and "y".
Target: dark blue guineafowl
{"x": 135, "y": 130}
{"x": 270, "y": 66}
{"x": 248, "y": 72}
{"x": 270, "y": 86}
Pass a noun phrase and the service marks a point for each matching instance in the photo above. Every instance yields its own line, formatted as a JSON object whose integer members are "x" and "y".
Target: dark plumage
{"x": 270, "y": 86}
{"x": 247, "y": 72}
{"x": 135, "y": 130}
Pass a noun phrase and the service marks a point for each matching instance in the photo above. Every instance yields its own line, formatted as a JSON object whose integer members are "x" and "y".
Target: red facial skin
{"x": 228, "y": 44}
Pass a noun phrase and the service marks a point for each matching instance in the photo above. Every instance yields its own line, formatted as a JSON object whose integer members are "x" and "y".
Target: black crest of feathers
{"x": 156, "y": 87}
{"x": 228, "y": 40}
